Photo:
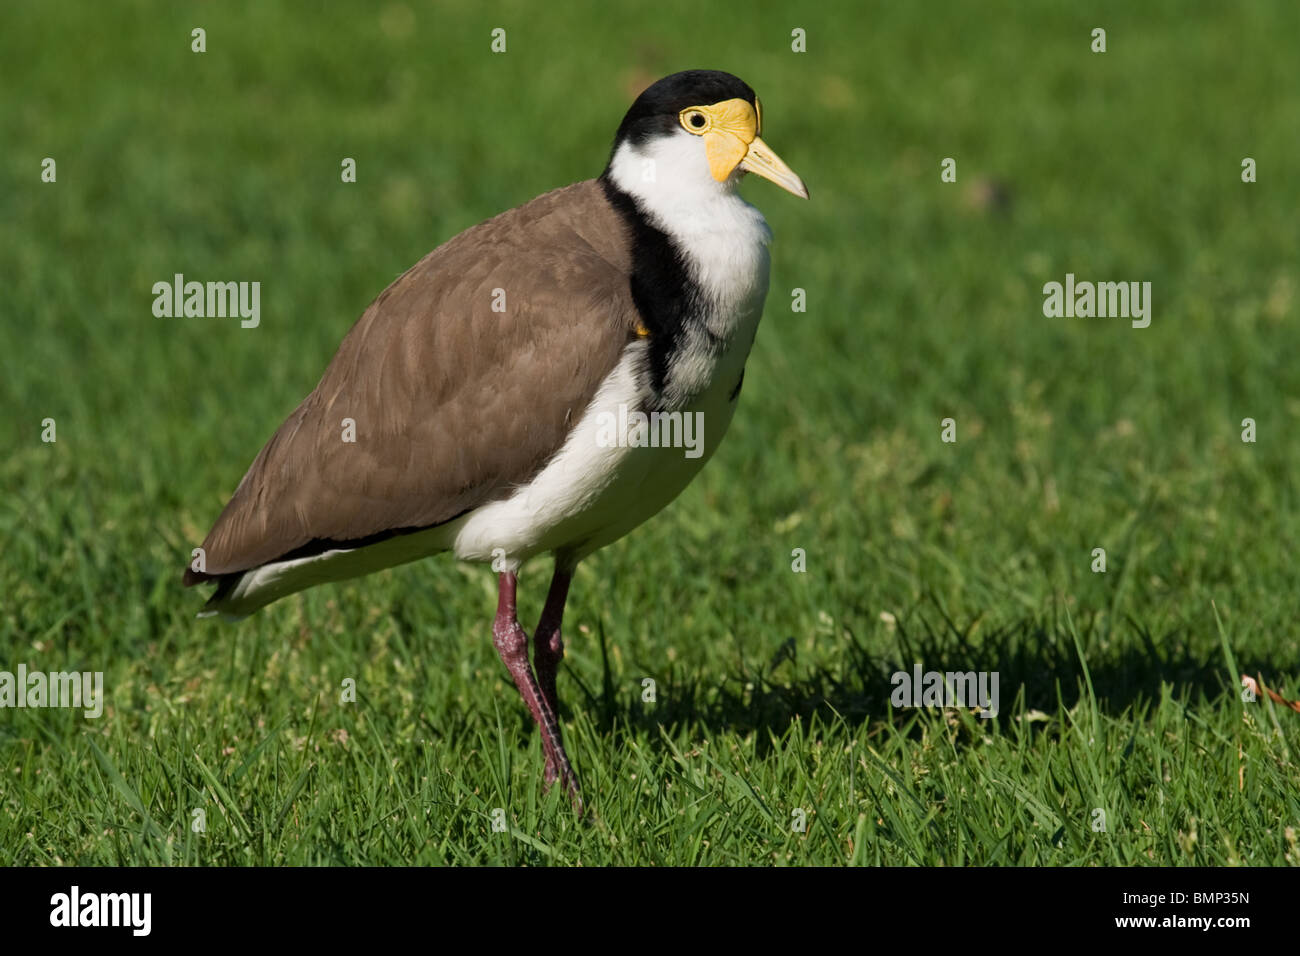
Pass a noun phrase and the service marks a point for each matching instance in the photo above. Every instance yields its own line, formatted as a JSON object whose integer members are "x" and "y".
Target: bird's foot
{"x": 560, "y": 771}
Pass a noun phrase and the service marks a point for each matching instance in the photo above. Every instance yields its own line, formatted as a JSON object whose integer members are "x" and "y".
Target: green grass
{"x": 924, "y": 301}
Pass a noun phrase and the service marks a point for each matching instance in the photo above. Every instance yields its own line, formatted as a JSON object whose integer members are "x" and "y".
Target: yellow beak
{"x": 763, "y": 161}
{"x": 730, "y": 131}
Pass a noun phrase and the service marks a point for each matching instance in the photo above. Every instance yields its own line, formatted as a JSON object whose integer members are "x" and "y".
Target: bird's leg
{"x": 512, "y": 644}
{"x": 548, "y": 651}
{"x": 548, "y": 647}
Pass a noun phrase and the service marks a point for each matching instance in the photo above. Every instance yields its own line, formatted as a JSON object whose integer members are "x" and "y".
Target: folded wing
{"x": 462, "y": 379}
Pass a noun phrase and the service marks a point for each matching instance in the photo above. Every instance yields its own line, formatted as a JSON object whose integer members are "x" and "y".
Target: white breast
{"x": 594, "y": 491}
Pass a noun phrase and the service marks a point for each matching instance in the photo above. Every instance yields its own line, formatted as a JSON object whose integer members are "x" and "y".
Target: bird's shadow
{"x": 1034, "y": 658}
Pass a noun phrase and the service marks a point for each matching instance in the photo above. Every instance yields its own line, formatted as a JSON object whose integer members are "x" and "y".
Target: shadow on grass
{"x": 1035, "y": 658}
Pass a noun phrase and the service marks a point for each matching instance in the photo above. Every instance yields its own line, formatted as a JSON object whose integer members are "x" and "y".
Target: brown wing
{"x": 454, "y": 403}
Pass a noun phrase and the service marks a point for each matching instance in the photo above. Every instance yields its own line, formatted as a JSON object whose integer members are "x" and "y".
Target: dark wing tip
{"x": 192, "y": 577}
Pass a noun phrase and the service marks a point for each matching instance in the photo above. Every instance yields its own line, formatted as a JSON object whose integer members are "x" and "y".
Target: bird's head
{"x": 695, "y": 132}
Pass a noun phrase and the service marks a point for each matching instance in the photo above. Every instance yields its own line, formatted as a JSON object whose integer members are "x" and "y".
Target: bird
{"x": 502, "y": 398}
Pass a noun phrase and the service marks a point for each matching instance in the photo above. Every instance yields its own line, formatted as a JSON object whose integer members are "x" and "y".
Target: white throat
{"x": 723, "y": 242}
{"x": 723, "y": 238}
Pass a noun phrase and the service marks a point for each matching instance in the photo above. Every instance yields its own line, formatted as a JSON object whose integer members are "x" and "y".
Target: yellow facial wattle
{"x": 730, "y": 133}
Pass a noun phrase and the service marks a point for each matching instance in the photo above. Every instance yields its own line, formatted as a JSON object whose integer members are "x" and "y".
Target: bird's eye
{"x": 694, "y": 120}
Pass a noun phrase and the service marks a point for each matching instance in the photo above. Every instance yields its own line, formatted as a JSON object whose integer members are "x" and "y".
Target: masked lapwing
{"x": 543, "y": 382}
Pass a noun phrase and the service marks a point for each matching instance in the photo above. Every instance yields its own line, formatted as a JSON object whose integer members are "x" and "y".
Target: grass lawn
{"x": 1119, "y": 690}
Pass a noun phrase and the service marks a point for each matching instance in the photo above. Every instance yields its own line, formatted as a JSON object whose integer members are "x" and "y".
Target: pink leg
{"x": 512, "y": 644}
{"x": 548, "y": 647}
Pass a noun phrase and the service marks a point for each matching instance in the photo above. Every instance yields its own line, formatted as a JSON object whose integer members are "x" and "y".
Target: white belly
{"x": 595, "y": 491}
